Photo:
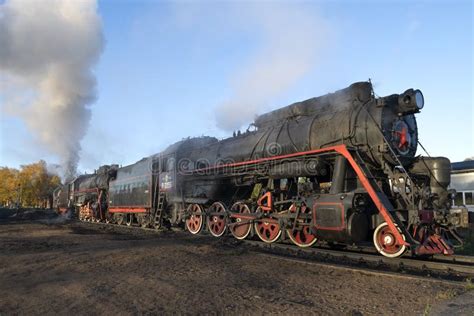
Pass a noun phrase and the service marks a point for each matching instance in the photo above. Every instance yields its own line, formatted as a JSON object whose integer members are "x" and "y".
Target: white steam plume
{"x": 292, "y": 39}
{"x": 47, "y": 51}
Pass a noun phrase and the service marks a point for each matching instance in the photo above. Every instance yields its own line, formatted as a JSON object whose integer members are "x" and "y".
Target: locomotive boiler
{"x": 339, "y": 168}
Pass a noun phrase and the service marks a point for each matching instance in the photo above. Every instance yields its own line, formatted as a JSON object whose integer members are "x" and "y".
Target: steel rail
{"x": 398, "y": 263}
{"x": 458, "y": 259}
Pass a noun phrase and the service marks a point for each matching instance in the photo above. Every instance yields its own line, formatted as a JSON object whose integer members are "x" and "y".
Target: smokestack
{"x": 292, "y": 40}
{"x": 47, "y": 52}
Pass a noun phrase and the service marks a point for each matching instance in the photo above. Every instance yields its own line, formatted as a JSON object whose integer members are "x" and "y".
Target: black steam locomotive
{"x": 340, "y": 168}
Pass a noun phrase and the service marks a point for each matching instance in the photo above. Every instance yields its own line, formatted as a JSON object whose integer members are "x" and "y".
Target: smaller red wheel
{"x": 386, "y": 243}
{"x": 143, "y": 220}
{"x": 195, "y": 220}
{"x": 268, "y": 229}
{"x": 301, "y": 235}
{"x": 119, "y": 218}
{"x": 217, "y": 222}
{"x": 240, "y": 228}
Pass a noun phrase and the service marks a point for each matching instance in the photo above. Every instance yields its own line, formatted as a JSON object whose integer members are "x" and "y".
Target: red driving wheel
{"x": 268, "y": 229}
{"x": 240, "y": 228}
{"x": 195, "y": 220}
{"x": 301, "y": 234}
{"x": 216, "y": 222}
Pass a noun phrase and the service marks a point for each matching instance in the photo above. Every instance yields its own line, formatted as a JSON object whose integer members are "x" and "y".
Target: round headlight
{"x": 420, "y": 101}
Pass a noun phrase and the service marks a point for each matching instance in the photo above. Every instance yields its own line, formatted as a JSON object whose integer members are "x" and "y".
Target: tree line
{"x": 30, "y": 186}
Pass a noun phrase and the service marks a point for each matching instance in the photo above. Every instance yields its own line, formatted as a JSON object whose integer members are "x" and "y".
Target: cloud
{"x": 292, "y": 40}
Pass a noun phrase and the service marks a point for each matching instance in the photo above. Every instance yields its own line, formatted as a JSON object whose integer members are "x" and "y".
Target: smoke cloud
{"x": 47, "y": 51}
{"x": 292, "y": 40}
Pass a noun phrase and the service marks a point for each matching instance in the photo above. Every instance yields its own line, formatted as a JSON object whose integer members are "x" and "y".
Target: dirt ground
{"x": 53, "y": 267}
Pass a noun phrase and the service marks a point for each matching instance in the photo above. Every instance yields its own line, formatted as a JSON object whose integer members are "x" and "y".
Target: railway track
{"x": 462, "y": 270}
{"x": 454, "y": 268}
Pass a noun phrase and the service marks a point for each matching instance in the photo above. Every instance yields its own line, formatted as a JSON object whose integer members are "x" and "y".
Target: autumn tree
{"x": 8, "y": 186}
{"x": 31, "y": 186}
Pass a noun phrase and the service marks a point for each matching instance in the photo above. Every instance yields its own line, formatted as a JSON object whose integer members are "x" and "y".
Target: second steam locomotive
{"x": 339, "y": 168}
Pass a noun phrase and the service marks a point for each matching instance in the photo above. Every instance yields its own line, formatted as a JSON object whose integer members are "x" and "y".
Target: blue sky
{"x": 168, "y": 66}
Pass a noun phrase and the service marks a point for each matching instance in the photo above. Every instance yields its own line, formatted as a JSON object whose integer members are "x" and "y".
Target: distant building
{"x": 462, "y": 180}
